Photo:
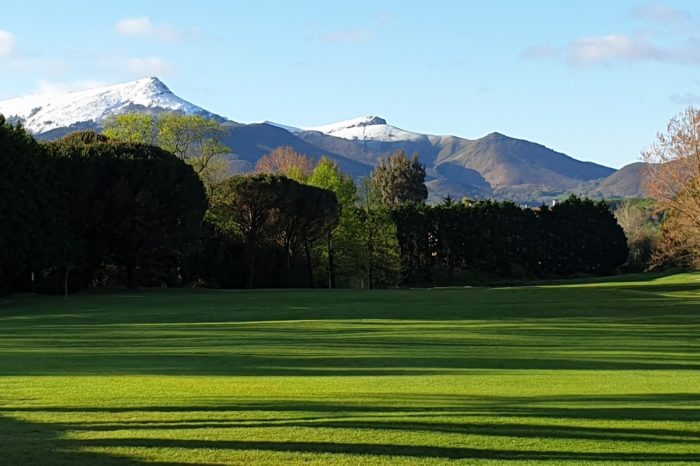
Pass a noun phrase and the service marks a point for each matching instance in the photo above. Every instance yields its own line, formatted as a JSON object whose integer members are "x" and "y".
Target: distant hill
{"x": 495, "y": 165}
{"x": 628, "y": 181}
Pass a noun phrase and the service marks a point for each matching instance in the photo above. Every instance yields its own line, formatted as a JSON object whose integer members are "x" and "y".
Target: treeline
{"x": 92, "y": 210}
{"x": 469, "y": 242}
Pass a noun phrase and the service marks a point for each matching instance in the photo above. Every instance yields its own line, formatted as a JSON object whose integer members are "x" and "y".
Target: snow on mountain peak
{"x": 43, "y": 112}
{"x": 367, "y": 128}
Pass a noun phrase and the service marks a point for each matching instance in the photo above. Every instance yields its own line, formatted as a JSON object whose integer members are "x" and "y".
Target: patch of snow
{"x": 43, "y": 112}
{"x": 367, "y": 128}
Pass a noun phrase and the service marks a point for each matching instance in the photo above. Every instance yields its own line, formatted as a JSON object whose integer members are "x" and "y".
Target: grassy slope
{"x": 584, "y": 373}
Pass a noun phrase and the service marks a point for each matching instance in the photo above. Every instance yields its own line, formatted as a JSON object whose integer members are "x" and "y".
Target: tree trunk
{"x": 251, "y": 270}
{"x": 66, "y": 279}
{"x": 130, "y": 275}
{"x": 309, "y": 270}
{"x": 331, "y": 265}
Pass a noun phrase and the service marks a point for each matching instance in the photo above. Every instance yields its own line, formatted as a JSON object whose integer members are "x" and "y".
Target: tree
{"x": 674, "y": 181}
{"x": 379, "y": 256}
{"x": 582, "y": 236}
{"x": 192, "y": 138}
{"x": 266, "y": 208}
{"x": 304, "y": 215}
{"x": 637, "y": 219}
{"x": 340, "y": 231}
{"x": 132, "y": 127}
{"x": 33, "y": 234}
{"x": 286, "y": 161}
{"x": 398, "y": 180}
{"x": 246, "y": 204}
{"x": 129, "y": 202}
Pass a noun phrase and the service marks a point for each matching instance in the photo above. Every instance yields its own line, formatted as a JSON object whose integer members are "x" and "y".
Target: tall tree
{"x": 266, "y": 208}
{"x": 380, "y": 254}
{"x": 638, "y": 220}
{"x": 133, "y": 201}
{"x": 32, "y": 230}
{"x": 398, "y": 180}
{"x": 341, "y": 241}
{"x": 286, "y": 161}
{"x": 303, "y": 216}
{"x": 246, "y": 204}
{"x": 674, "y": 181}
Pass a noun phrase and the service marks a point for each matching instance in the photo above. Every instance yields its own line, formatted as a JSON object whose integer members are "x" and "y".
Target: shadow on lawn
{"x": 26, "y": 443}
{"x": 625, "y": 327}
{"x": 32, "y": 444}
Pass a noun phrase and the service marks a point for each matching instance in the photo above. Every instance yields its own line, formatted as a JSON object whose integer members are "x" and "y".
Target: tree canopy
{"x": 674, "y": 181}
{"x": 399, "y": 180}
{"x": 129, "y": 201}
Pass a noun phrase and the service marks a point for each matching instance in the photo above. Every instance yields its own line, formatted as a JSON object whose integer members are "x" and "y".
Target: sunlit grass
{"x": 584, "y": 373}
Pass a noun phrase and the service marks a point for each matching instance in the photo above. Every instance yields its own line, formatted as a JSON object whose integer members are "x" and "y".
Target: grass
{"x": 587, "y": 373}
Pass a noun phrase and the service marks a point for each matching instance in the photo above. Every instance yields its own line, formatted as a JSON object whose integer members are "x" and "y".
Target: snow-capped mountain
{"x": 367, "y": 128}
{"x": 40, "y": 113}
{"x": 492, "y": 166}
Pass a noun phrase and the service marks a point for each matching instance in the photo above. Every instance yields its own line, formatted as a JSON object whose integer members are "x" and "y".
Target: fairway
{"x": 586, "y": 373}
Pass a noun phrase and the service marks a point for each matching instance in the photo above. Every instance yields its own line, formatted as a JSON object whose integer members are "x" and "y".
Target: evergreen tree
{"x": 33, "y": 234}
{"x": 398, "y": 180}
{"x": 130, "y": 203}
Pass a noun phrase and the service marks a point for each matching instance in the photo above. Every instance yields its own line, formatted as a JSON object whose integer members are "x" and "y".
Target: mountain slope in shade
{"x": 505, "y": 161}
{"x": 41, "y": 113}
{"x": 251, "y": 142}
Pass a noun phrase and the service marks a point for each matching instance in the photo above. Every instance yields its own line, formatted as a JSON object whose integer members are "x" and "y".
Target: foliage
{"x": 133, "y": 202}
{"x": 398, "y": 180}
{"x": 641, "y": 225}
{"x": 33, "y": 234}
{"x": 266, "y": 208}
{"x": 674, "y": 173}
{"x": 192, "y": 138}
{"x": 456, "y": 242}
{"x": 379, "y": 257}
{"x": 287, "y": 162}
{"x": 342, "y": 232}
{"x": 132, "y": 127}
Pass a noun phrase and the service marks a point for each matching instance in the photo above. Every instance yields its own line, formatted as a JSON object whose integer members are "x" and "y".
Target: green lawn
{"x": 586, "y": 373}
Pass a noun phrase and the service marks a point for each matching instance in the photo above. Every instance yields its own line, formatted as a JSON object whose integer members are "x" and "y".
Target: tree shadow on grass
{"x": 377, "y": 449}
{"x": 32, "y": 444}
{"x": 28, "y": 443}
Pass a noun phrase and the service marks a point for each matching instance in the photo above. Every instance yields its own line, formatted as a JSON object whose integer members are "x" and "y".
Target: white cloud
{"x": 612, "y": 48}
{"x": 659, "y": 12}
{"x": 134, "y": 26}
{"x": 7, "y": 43}
{"x": 144, "y": 27}
{"x": 619, "y": 48}
{"x": 148, "y": 66}
{"x": 686, "y": 98}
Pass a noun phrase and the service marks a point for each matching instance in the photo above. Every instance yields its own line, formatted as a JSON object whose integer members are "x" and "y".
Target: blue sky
{"x": 593, "y": 79}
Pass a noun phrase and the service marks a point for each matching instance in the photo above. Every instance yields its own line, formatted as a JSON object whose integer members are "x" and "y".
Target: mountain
{"x": 492, "y": 166}
{"x": 252, "y": 141}
{"x": 628, "y": 181}
{"x": 509, "y": 162}
{"x": 42, "y": 113}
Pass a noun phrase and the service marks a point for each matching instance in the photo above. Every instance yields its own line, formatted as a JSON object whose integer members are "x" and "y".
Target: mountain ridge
{"x": 485, "y": 167}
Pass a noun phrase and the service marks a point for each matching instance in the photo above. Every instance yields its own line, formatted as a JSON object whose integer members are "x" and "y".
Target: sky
{"x": 593, "y": 79}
